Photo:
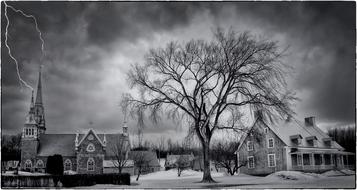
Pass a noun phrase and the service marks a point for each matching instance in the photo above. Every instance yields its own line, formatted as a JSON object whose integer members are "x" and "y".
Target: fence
{"x": 67, "y": 180}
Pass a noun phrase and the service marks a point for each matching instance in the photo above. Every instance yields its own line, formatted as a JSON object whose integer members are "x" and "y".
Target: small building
{"x": 290, "y": 145}
{"x": 150, "y": 162}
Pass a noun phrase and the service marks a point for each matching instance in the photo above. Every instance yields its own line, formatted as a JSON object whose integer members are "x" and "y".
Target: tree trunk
{"x": 139, "y": 172}
{"x": 206, "y": 164}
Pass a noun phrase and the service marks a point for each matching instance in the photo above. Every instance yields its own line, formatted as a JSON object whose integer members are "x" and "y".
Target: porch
{"x": 319, "y": 161}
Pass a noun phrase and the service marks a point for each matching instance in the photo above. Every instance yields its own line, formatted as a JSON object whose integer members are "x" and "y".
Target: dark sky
{"x": 90, "y": 45}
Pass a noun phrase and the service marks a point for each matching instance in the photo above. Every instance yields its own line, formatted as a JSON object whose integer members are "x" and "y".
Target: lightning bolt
{"x": 21, "y": 81}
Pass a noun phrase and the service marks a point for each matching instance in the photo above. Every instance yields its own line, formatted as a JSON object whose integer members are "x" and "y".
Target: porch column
{"x": 302, "y": 160}
{"x": 322, "y": 160}
{"x": 288, "y": 158}
{"x": 312, "y": 159}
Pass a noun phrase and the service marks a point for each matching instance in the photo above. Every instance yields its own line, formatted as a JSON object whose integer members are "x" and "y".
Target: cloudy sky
{"x": 89, "y": 47}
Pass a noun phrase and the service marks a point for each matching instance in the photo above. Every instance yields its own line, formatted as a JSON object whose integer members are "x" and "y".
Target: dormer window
{"x": 311, "y": 141}
{"x": 327, "y": 141}
{"x": 296, "y": 139}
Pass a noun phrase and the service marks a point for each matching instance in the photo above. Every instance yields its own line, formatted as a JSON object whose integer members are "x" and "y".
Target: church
{"x": 82, "y": 153}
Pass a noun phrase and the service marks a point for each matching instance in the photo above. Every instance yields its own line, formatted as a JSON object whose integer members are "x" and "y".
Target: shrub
{"x": 92, "y": 179}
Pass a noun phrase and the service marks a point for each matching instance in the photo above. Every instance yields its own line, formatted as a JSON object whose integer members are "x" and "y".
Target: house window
{"x": 90, "y": 148}
{"x": 40, "y": 164}
{"x": 90, "y": 164}
{"x": 250, "y": 146}
{"x": 266, "y": 130}
{"x": 271, "y": 160}
{"x": 28, "y": 164}
{"x": 270, "y": 143}
{"x": 67, "y": 165}
{"x": 251, "y": 162}
{"x": 299, "y": 160}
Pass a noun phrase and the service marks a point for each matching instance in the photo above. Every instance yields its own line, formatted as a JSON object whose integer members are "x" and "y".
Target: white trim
{"x": 90, "y": 160}
{"x": 85, "y": 136}
{"x": 249, "y": 162}
{"x": 270, "y": 166}
{"x": 38, "y": 163}
{"x": 90, "y": 145}
{"x": 28, "y": 161}
{"x": 273, "y": 142}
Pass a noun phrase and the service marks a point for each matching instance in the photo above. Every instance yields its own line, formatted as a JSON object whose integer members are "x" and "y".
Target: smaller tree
{"x": 183, "y": 162}
{"x": 120, "y": 149}
{"x": 141, "y": 162}
{"x": 223, "y": 155}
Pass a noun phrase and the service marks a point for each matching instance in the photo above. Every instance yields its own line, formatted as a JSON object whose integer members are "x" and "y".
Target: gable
{"x": 91, "y": 136}
{"x": 258, "y": 128}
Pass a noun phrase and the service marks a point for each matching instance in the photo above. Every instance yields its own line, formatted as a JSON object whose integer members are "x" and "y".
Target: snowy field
{"x": 282, "y": 179}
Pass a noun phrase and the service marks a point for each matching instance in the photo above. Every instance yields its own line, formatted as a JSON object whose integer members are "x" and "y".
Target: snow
{"x": 293, "y": 175}
{"x": 172, "y": 174}
{"x": 338, "y": 173}
{"x": 69, "y": 172}
{"x": 23, "y": 173}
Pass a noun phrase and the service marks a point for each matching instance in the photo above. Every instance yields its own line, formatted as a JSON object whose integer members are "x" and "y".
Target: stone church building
{"x": 82, "y": 153}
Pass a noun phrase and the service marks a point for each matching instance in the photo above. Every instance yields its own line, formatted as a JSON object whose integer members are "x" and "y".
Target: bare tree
{"x": 203, "y": 82}
{"x": 183, "y": 162}
{"x": 223, "y": 155}
{"x": 120, "y": 149}
{"x": 141, "y": 162}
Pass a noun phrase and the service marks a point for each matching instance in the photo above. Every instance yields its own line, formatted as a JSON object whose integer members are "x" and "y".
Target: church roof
{"x": 64, "y": 144}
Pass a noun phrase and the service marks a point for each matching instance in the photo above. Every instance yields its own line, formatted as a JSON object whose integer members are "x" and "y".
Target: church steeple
{"x": 38, "y": 108}
{"x": 39, "y": 90}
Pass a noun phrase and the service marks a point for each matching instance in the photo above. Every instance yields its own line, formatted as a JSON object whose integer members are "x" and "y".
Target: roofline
{"x": 255, "y": 122}
{"x": 88, "y": 134}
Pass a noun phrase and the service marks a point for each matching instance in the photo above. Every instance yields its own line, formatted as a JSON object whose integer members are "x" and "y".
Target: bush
{"x": 55, "y": 165}
{"x": 92, "y": 179}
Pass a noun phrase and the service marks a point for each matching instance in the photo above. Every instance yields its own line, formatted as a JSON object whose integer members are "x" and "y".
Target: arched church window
{"x": 90, "y": 164}
{"x": 90, "y": 148}
{"x": 67, "y": 165}
{"x": 28, "y": 164}
{"x": 40, "y": 164}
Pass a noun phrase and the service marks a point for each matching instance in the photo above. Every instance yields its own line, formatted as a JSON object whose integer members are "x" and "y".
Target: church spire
{"x": 32, "y": 103}
{"x": 39, "y": 90}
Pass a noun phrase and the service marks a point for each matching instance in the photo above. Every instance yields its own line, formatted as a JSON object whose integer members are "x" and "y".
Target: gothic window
{"x": 90, "y": 164}
{"x": 40, "y": 164}
{"x": 90, "y": 148}
{"x": 28, "y": 164}
{"x": 67, "y": 165}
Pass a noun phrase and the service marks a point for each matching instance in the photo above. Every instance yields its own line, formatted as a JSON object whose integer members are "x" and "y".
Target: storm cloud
{"x": 91, "y": 45}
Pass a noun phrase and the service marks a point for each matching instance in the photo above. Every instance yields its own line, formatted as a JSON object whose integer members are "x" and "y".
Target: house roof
{"x": 285, "y": 129}
{"x": 148, "y": 155}
{"x": 64, "y": 144}
{"x": 294, "y": 128}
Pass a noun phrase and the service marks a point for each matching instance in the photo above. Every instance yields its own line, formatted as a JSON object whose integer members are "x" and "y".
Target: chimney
{"x": 309, "y": 121}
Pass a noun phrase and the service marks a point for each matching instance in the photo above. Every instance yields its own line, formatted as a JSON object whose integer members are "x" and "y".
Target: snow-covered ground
{"x": 282, "y": 179}
{"x": 10, "y": 173}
